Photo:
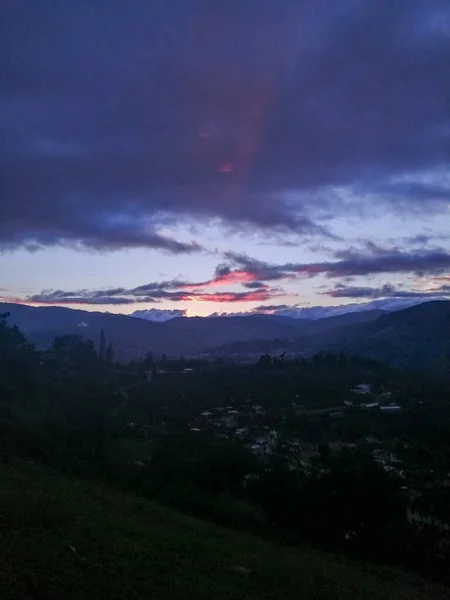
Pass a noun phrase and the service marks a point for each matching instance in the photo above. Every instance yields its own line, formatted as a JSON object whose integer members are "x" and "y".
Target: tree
{"x": 74, "y": 350}
{"x": 149, "y": 361}
{"x": 102, "y": 346}
{"x": 109, "y": 355}
{"x": 265, "y": 361}
{"x": 17, "y": 361}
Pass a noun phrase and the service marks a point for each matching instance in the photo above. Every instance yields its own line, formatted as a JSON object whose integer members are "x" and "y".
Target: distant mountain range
{"x": 416, "y": 337}
{"x": 180, "y": 336}
{"x": 295, "y": 312}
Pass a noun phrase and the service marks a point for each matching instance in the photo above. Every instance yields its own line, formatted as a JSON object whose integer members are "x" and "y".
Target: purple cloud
{"x": 353, "y": 263}
{"x": 243, "y": 111}
{"x": 387, "y": 291}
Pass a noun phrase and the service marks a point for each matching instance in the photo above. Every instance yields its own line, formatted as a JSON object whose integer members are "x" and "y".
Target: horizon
{"x": 311, "y": 313}
{"x": 205, "y": 159}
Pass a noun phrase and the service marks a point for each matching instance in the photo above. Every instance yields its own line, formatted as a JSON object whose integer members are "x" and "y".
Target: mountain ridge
{"x": 133, "y": 337}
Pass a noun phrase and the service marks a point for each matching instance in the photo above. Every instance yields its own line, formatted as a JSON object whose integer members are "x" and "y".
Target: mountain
{"x": 321, "y": 312}
{"x": 133, "y": 337}
{"x": 301, "y": 334}
{"x": 158, "y": 315}
{"x": 416, "y": 337}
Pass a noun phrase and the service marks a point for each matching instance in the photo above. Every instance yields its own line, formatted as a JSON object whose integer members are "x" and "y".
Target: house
{"x": 307, "y": 457}
{"x": 338, "y": 446}
{"x": 241, "y": 431}
{"x": 229, "y": 421}
{"x": 258, "y": 449}
{"x": 304, "y": 445}
{"x": 369, "y": 439}
{"x": 391, "y": 408}
{"x": 419, "y": 520}
{"x": 362, "y": 388}
{"x": 384, "y": 457}
{"x": 371, "y": 405}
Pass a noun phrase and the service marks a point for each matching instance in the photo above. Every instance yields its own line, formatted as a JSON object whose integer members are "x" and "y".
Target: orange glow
{"x": 231, "y": 277}
{"x": 234, "y": 277}
{"x": 257, "y": 296}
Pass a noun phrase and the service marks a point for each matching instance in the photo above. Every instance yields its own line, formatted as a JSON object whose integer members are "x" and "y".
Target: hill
{"x": 413, "y": 338}
{"x": 133, "y": 337}
{"x": 65, "y": 538}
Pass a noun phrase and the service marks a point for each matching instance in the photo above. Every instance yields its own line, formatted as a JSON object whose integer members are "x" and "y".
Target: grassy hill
{"x": 61, "y": 538}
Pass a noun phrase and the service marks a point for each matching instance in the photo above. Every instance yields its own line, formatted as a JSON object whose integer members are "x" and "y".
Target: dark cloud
{"x": 256, "y": 270}
{"x": 271, "y": 308}
{"x": 418, "y": 191}
{"x": 251, "y": 285}
{"x": 99, "y": 297}
{"x": 114, "y": 115}
{"x": 254, "y": 276}
{"x": 54, "y": 298}
{"x": 387, "y": 291}
{"x": 373, "y": 260}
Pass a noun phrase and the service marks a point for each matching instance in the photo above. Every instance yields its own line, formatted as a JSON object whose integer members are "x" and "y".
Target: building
{"x": 362, "y": 388}
{"x": 391, "y": 408}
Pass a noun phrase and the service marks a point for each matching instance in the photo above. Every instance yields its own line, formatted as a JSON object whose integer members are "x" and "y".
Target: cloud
{"x": 254, "y": 276}
{"x": 66, "y": 298}
{"x": 373, "y": 260}
{"x": 387, "y": 291}
{"x": 122, "y": 296}
{"x": 272, "y": 308}
{"x": 116, "y": 119}
{"x": 253, "y": 285}
{"x": 81, "y": 236}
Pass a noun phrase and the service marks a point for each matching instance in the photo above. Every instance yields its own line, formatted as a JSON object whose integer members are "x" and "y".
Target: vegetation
{"x": 64, "y": 538}
{"x": 294, "y": 451}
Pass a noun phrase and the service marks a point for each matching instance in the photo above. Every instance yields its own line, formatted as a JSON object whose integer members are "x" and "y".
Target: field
{"x": 62, "y": 538}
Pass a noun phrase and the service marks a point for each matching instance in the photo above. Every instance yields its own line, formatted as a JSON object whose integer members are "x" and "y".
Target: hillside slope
{"x": 64, "y": 538}
{"x": 416, "y": 337}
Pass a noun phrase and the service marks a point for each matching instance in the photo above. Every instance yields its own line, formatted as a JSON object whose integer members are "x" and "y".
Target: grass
{"x": 62, "y": 538}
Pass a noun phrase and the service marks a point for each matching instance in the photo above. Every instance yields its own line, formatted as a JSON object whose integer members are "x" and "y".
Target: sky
{"x": 196, "y": 157}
